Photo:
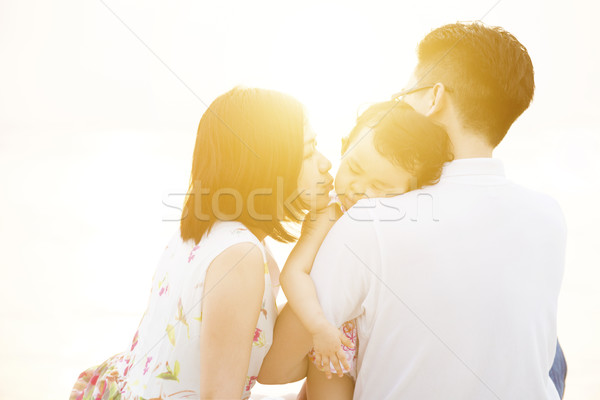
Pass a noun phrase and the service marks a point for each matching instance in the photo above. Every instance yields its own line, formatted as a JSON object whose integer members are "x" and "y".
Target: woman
{"x": 210, "y": 317}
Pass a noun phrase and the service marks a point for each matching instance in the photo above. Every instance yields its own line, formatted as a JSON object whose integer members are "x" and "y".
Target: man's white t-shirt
{"x": 454, "y": 287}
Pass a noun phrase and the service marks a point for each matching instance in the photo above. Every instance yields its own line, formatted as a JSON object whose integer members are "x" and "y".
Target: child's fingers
{"x": 336, "y": 365}
{"x": 346, "y": 341}
{"x": 326, "y": 369}
{"x": 342, "y": 356}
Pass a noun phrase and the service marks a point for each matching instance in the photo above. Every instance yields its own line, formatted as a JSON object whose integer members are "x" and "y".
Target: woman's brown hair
{"x": 247, "y": 159}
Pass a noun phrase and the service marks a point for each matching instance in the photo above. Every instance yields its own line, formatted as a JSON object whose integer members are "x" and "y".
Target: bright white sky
{"x": 96, "y": 132}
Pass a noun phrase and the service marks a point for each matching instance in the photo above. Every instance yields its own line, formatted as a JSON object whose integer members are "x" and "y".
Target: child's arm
{"x": 302, "y": 297}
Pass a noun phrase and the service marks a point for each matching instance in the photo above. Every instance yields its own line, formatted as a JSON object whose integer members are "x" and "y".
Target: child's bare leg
{"x": 287, "y": 358}
{"x": 318, "y": 387}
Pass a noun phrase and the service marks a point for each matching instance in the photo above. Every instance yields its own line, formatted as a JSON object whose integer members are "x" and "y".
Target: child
{"x": 391, "y": 150}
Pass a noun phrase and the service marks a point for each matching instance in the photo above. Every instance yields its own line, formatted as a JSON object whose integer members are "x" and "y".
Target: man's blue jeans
{"x": 558, "y": 372}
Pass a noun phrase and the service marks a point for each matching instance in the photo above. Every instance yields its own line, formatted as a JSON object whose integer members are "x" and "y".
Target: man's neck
{"x": 468, "y": 144}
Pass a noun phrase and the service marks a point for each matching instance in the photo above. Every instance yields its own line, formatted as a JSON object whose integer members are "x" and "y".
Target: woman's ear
{"x": 436, "y": 99}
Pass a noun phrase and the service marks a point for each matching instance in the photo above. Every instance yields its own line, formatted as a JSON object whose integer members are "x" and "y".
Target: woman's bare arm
{"x": 233, "y": 292}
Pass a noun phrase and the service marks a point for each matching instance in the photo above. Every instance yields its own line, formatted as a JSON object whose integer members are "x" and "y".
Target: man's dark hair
{"x": 487, "y": 70}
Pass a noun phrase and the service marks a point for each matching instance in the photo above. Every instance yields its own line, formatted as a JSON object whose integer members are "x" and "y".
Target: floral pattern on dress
{"x": 102, "y": 382}
{"x": 163, "y": 285}
{"x": 259, "y": 338}
{"x": 250, "y": 381}
{"x": 192, "y": 255}
{"x": 159, "y": 364}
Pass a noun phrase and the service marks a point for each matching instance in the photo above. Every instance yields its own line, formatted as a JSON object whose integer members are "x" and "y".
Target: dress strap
{"x": 229, "y": 233}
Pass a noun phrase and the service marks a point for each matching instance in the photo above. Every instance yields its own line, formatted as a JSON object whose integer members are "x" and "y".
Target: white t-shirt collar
{"x": 473, "y": 166}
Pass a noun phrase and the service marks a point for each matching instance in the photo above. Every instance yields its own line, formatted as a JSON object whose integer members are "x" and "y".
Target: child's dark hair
{"x": 406, "y": 138}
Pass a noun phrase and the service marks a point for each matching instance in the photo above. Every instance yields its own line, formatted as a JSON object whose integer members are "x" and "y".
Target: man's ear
{"x": 436, "y": 99}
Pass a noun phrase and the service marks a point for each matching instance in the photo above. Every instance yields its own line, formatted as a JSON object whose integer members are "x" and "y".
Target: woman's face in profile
{"x": 315, "y": 182}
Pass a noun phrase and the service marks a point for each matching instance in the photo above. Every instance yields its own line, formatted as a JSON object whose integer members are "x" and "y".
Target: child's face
{"x": 364, "y": 172}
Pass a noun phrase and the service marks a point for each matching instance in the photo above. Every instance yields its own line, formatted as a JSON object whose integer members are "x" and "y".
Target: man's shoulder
{"x": 535, "y": 198}
{"x": 539, "y": 205}
{"x": 393, "y": 207}
{"x": 400, "y": 207}
{"x": 359, "y": 218}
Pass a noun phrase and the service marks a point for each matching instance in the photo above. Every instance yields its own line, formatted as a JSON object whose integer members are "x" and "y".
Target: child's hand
{"x": 320, "y": 222}
{"x": 327, "y": 348}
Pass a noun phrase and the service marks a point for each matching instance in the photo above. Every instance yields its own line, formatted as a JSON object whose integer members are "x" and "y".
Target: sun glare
{"x": 323, "y": 64}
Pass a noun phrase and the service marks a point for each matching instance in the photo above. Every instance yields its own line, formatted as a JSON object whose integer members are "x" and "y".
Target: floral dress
{"x": 163, "y": 361}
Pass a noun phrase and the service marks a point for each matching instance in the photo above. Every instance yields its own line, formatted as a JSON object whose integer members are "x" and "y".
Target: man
{"x": 454, "y": 286}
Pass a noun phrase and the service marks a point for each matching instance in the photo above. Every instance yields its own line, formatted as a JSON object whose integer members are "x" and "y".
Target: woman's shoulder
{"x": 231, "y": 230}
{"x": 235, "y": 251}
{"x": 225, "y": 235}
